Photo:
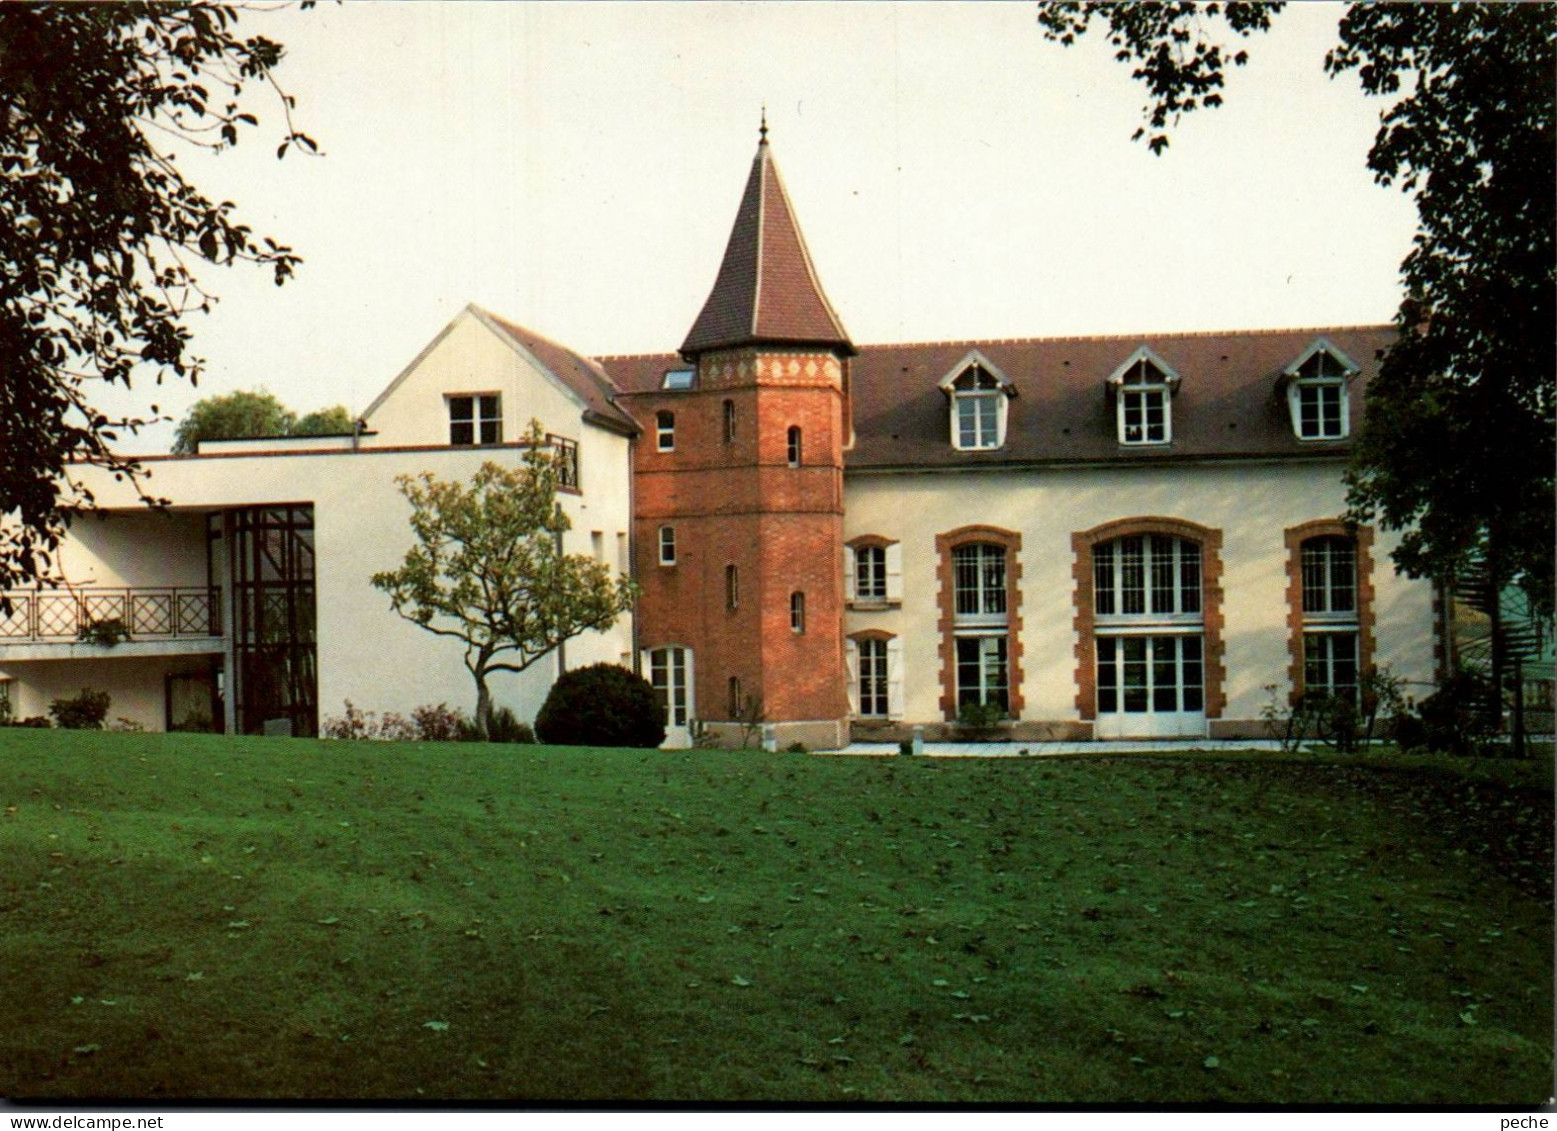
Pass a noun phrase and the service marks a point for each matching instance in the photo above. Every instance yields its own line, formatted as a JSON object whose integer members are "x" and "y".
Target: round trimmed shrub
{"x": 601, "y": 705}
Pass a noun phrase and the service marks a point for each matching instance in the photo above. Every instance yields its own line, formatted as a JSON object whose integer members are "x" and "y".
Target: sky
{"x": 575, "y": 168}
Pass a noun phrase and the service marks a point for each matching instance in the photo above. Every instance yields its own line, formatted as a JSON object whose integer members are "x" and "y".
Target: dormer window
{"x": 1143, "y": 393}
{"x": 979, "y": 393}
{"x": 1317, "y": 394}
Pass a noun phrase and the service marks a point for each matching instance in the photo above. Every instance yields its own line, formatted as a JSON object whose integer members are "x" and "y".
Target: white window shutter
{"x": 895, "y": 571}
{"x": 851, "y": 655}
{"x": 848, "y": 574}
{"x": 895, "y": 677}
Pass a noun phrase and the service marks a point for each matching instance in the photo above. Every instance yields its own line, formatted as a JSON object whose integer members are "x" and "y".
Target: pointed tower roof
{"x": 767, "y": 290}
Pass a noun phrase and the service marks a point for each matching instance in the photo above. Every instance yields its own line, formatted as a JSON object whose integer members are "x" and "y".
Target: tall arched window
{"x": 1330, "y": 607}
{"x": 729, "y": 422}
{"x": 1148, "y": 620}
{"x": 732, "y": 588}
{"x": 792, "y": 446}
{"x": 980, "y": 622}
{"x": 797, "y": 612}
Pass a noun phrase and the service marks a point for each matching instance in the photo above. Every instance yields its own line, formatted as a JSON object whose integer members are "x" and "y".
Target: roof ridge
{"x": 1147, "y": 336}
{"x": 586, "y": 360}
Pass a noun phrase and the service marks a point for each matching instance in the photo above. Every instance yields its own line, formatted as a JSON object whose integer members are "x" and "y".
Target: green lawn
{"x": 186, "y": 916}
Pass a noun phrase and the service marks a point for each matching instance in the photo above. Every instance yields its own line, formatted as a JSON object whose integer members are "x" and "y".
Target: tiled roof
{"x": 581, "y": 374}
{"x": 1230, "y": 402}
{"x": 766, "y": 289}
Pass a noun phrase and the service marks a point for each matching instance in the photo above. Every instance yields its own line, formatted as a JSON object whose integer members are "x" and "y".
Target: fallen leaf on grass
{"x": 436, "y": 1026}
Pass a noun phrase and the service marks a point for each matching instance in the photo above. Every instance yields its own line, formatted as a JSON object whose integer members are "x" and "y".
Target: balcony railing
{"x": 144, "y": 613}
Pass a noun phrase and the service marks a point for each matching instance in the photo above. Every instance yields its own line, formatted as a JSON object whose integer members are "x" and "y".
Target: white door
{"x": 1150, "y": 687}
{"x": 670, "y": 672}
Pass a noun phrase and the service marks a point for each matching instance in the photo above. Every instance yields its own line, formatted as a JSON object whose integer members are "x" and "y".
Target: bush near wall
{"x": 601, "y": 705}
{"x": 82, "y": 712}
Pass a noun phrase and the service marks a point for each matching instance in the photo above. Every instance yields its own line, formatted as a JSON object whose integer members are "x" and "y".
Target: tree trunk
{"x": 483, "y": 707}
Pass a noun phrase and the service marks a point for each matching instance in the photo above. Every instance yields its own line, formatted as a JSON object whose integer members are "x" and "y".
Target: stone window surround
{"x": 1362, "y": 538}
{"x": 1214, "y": 671}
{"x": 1011, "y": 541}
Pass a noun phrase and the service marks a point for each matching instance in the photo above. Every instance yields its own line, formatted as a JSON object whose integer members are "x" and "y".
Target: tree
{"x": 244, "y": 414}
{"x": 1457, "y": 448}
{"x": 488, "y": 570}
{"x": 101, "y": 236}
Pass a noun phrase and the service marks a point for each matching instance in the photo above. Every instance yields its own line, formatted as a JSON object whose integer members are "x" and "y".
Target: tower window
{"x": 729, "y": 422}
{"x": 797, "y": 612}
{"x": 793, "y": 448}
{"x": 667, "y": 545}
{"x": 732, "y": 588}
{"x": 665, "y": 431}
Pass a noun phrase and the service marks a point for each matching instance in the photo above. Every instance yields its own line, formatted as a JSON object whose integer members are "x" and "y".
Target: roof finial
{"x": 762, "y": 134}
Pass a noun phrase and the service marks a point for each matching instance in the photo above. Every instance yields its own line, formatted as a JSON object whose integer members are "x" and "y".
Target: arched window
{"x": 793, "y": 447}
{"x": 737, "y": 700}
{"x": 797, "y": 612}
{"x": 665, "y": 431}
{"x": 732, "y": 588}
{"x": 980, "y": 621}
{"x": 1330, "y": 614}
{"x": 1148, "y": 622}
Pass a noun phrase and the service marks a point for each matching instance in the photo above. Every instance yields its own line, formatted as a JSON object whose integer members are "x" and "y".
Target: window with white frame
{"x": 979, "y": 583}
{"x": 1149, "y": 622}
{"x": 475, "y": 419}
{"x": 978, "y": 410}
{"x": 667, "y": 545}
{"x": 870, "y": 573}
{"x": 665, "y": 431}
{"x": 875, "y": 663}
{"x": 873, "y": 679}
{"x": 1144, "y": 404}
{"x": 1330, "y": 620}
{"x": 980, "y": 622}
{"x": 1317, "y": 397}
{"x": 982, "y": 672}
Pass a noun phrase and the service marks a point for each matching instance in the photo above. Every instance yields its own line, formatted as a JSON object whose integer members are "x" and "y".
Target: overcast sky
{"x": 576, "y": 168}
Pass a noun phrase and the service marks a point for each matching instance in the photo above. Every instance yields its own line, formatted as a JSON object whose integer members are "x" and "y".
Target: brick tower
{"x": 739, "y": 491}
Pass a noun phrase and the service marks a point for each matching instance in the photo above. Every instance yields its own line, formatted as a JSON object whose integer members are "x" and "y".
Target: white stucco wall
{"x": 366, "y": 653}
{"x": 1252, "y": 504}
{"x": 470, "y": 357}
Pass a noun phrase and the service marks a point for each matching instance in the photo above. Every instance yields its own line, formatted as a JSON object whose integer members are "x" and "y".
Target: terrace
{"x": 88, "y": 620}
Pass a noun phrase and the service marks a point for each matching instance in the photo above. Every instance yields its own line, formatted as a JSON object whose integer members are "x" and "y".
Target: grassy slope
{"x": 184, "y": 916}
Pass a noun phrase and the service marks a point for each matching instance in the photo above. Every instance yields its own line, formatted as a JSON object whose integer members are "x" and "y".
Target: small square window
{"x": 475, "y": 419}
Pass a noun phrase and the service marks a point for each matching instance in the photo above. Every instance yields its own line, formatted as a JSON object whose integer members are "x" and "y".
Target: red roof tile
{"x": 581, "y": 374}
{"x": 766, "y": 289}
{"x": 1229, "y": 404}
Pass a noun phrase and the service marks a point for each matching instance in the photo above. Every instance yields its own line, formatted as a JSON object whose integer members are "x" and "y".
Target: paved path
{"x": 1049, "y": 749}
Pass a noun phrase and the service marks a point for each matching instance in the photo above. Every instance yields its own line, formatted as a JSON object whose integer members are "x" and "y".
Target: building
{"x": 1055, "y": 537}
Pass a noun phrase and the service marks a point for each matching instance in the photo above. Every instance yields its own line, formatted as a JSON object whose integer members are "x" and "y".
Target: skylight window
{"x": 676, "y": 379}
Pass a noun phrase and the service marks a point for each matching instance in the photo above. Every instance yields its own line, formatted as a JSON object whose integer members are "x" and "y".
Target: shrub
{"x": 37, "y": 722}
{"x": 84, "y": 712}
{"x": 358, "y": 725}
{"x": 980, "y": 720}
{"x": 107, "y": 632}
{"x": 601, "y": 705}
{"x": 506, "y": 727}
{"x": 438, "y": 724}
{"x": 1460, "y": 716}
